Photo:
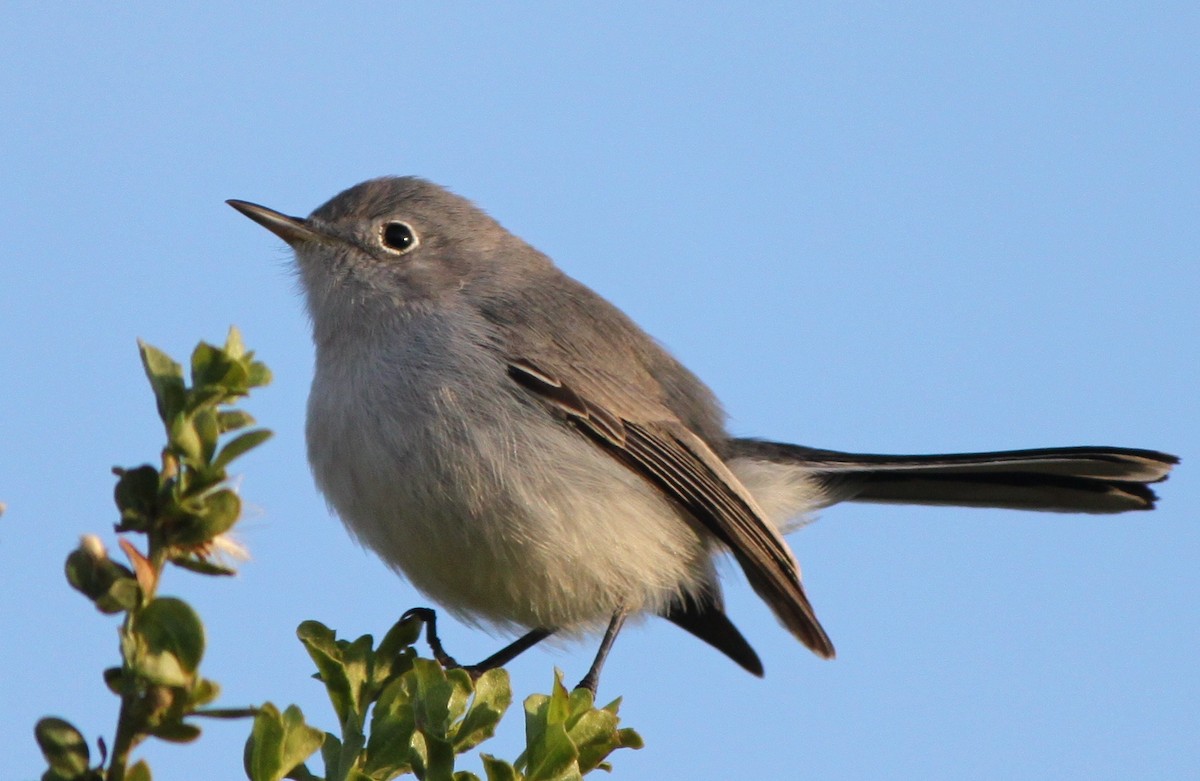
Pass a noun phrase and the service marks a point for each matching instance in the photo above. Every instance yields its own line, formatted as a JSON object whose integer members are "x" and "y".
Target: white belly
{"x": 492, "y": 507}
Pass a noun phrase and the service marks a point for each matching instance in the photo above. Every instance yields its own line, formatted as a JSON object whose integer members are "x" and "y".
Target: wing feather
{"x": 687, "y": 471}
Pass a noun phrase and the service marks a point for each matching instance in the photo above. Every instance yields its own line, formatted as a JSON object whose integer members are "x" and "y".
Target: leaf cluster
{"x": 185, "y": 505}
{"x": 184, "y": 508}
{"x": 399, "y": 713}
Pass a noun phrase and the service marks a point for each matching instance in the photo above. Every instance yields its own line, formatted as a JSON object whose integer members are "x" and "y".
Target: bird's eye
{"x": 397, "y": 237}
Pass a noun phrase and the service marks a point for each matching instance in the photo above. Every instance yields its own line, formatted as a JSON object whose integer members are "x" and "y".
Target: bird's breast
{"x": 487, "y": 502}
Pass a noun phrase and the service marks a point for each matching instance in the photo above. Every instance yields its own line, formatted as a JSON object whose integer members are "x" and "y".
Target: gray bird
{"x": 530, "y": 459}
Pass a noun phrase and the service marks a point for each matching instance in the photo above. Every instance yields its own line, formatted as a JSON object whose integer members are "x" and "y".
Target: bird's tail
{"x": 1069, "y": 479}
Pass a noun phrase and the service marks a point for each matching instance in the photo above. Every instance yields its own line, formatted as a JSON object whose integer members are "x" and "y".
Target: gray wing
{"x": 684, "y": 468}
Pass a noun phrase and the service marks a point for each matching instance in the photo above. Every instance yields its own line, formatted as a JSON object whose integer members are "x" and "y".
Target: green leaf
{"x": 63, "y": 746}
{"x": 241, "y": 444}
{"x": 595, "y": 736}
{"x": 136, "y": 496}
{"x": 221, "y": 511}
{"x": 166, "y": 378}
{"x": 629, "y": 738}
{"x": 567, "y": 737}
{"x": 403, "y": 634}
{"x": 205, "y": 397}
{"x": 176, "y": 732}
{"x": 168, "y": 642}
{"x": 111, "y": 586}
{"x": 122, "y": 595}
{"x": 343, "y": 668}
{"x": 558, "y": 707}
{"x": 413, "y": 724}
{"x": 395, "y": 719}
{"x": 393, "y": 722}
{"x": 279, "y": 743}
{"x": 439, "y": 763}
{"x": 236, "y": 380}
{"x": 234, "y": 345}
{"x": 493, "y": 695}
{"x": 190, "y": 562}
{"x": 437, "y": 697}
{"x": 184, "y": 439}
{"x": 118, "y": 681}
{"x": 552, "y": 757}
{"x": 209, "y": 365}
{"x": 594, "y": 731}
{"x": 395, "y": 653}
{"x": 231, "y": 368}
{"x": 139, "y": 772}
{"x": 302, "y": 773}
{"x": 204, "y": 692}
{"x": 234, "y": 419}
{"x": 549, "y": 752}
{"x": 417, "y": 754}
{"x": 201, "y": 479}
{"x": 498, "y": 769}
{"x": 257, "y": 373}
{"x": 205, "y": 423}
{"x": 80, "y": 569}
{"x": 200, "y": 519}
{"x": 331, "y": 756}
{"x": 580, "y": 701}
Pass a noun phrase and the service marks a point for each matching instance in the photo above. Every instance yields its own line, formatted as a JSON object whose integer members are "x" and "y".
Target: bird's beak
{"x": 293, "y": 230}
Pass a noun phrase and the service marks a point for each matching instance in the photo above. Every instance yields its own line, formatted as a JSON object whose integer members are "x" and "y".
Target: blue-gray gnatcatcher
{"x": 529, "y": 458}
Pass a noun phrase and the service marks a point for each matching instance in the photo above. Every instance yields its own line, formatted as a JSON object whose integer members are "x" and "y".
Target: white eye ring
{"x": 397, "y": 237}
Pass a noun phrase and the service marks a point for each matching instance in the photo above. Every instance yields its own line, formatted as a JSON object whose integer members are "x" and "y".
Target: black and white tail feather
{"x": 1068, "y": 479}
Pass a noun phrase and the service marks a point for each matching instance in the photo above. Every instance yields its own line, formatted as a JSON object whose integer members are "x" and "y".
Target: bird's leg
{"x": 428, "y": 616}
{"x": 592, "y": 679}
{"x": 510, "y": 651}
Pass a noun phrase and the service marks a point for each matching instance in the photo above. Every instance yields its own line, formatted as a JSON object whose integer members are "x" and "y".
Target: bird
{"x": 534, "y": 462}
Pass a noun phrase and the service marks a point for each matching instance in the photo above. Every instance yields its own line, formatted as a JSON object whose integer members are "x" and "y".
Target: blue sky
{"x": 882, "y": 227}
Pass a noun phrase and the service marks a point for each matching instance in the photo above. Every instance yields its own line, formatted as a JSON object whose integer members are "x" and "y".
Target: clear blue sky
{"x": 869, "y": 226}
